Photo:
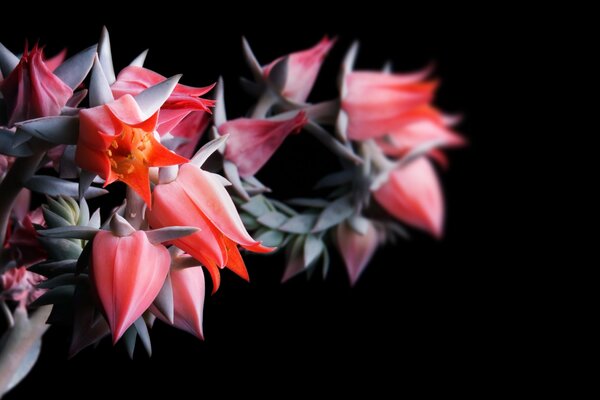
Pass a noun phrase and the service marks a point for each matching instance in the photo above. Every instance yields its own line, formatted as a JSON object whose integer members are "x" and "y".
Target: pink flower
{"x": 23, "y": 239}
{"x": 252, "y": 142}
{"x": 188, "y": 300}
{"x": 116, "y": 141}
{"x": 378, "y": 103}
{"x": 197, "y": 198}
{"x": 19, "y": 284}
{"x": 302, "y": 70}
{"x": 190, "y": 129}
{"x": 184, "y": 99}
{"x": 31, "y": 90}
{"x": 356, "y": 249}
{"x": 432, "y": 131}
{"x": 128, "y": 272}
{"x": 413, "y": 195}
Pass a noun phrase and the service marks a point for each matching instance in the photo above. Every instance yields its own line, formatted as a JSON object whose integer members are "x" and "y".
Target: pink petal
{"x": 192, "y": 127}
{"x": 188, "y": 299}
{"x": 356, "y": 249}
{"x": 414, "y": 196}
{"x": 253, "y": 142}
{"x": 128, "y": 272}
{"x": 302, "y": 70}
{"x": 54, "y": 62}
{"x": 209, "y": 195}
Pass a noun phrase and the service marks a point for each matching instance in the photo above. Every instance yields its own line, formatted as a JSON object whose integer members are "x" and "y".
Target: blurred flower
{"x": 302, "y": 70}
{"x": 356, "y": 249}
{"x": 183, "y": 100}
{"x": 116, "y": 141}
{"x": 197, "y": 198}
{"x": 378, "y": 103}
{"x": 413, "y": 195}
{"x": 190, "y": 130}
{"x": 31, "y": 90}
{"x": 128, "y": 272}
{"x": 19, "y": 284}
{"x": 252, "y": 142}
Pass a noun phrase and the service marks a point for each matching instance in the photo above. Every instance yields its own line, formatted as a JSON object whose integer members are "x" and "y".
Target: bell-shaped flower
{"x": 302, "y": 70}
{"x": 116, "y": 141}
{"x": 356, "y": 249}
{"x": 182, "y": 296}
{"x": 183, "y": 100}
{"x": 413, "y": 195}
{"x": 252, "y": 142}
{"x": 32, "y": 90}
{"x": 198, "y": 198}
{"x": 128, "y": 272}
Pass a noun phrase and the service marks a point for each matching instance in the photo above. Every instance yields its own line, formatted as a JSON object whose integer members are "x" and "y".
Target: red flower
{"x": 128, "y": 272}
{"x": 116, "y": 141}
{"x": 20, "y": 285}
{"x": 252, "y": 142}
{"x": 197, "y": 198}
{"x": 183, "y": 100}
{"x": 31, "y": 90}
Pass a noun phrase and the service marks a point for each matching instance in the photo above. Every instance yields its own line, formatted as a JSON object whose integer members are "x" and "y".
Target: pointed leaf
{"x": 59, "y": 294}
{"x": 70, "y": 232}
{"x": 335, "y": 213}
{"x": 8, "y": 61}
{"x": 232, "y": 173}
{"x": 272, "y": 219}
{"x": 305, "y": 202}
{"x": 66, "y": 279}
{"x": 271, "y": 238}
{"x": 105, "y": 56}
{"x": 284, "y": 208}
{"x": 249, "y": 222}
{"x": 58, "y": 130}
{"x": 139, "y": 60}
{"x": 255, "y": 67}
{"x": 56, "y": 187}
{"x": 74, "y": 70}
{"x": 335, "y": 179}
{"x": 144, "y": 335}
{"x": 343, "y": 150}
{"x": 207, "y": 150}
{"x": 313, "y": 247}
{"x": 50, "y": 269}
{"x": 7, "y": 145}
{"x": 219, "y": 112}
{"x": 170, "y": 233}
{"x": 164, "y": 300}
{"x": 129, "y": 340}
{"x": 94, "y": 221}
{"x": 151, "y": 99}
{"x": 84, "y": 213}
{"x": 85, "y": 181}
{"x": 295, "y": 259}
{"x": 257, "y": 206}
{"x": 359, "y": 224}
{"x": 100, "y": 92}
{"x": 301, "y": 223}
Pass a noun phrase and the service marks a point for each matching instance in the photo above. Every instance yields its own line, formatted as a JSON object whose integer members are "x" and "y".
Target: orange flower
{"x": 116, "y": 141}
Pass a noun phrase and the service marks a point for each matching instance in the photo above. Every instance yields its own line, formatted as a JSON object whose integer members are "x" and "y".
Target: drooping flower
{"x": 252, "y": 142}
{"x": 413, "y": 195}
{"x": 356, "y": 249}
{"x": 116, "y": 141}
{"x": 182, "y": 101}
{"x": 302, "y": 70}
{"x": 197, "y": 198}
{"x": 377, "y": 103}
{"x": 20, "y": 285}
{"x": 187, "y": 288}
{"x": 128, "y": 272}
{"x": 32, "y": 90}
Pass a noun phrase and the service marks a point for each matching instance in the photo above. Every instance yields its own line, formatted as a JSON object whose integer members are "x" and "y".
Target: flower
{"x": 302, "y": 70}
{"x": 128, "y": 272}
{"x": 252, "y": 142}
{"x": 183, "y": 100}
{"x": 356, "y": 249}
{"x": 20, "y": 285}
{"x": 378, "y": 103}
{"x": 413, "y": 195}
{"x": 116, "y": 141}
{"x": 197, "y": 198}
{"x": 31, "y": 90}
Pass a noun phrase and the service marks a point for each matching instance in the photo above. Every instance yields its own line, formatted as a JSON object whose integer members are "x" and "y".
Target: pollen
{"x": 129, "y": 151}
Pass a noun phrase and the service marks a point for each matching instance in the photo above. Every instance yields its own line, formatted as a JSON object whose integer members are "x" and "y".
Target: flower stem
{"x": 20, "y": 172}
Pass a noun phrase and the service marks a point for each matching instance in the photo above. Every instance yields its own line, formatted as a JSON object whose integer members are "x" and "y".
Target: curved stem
{"x": 19, "y": 173}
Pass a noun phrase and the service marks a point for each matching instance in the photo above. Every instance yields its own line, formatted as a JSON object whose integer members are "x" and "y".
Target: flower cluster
{"x": 182, "y": 216}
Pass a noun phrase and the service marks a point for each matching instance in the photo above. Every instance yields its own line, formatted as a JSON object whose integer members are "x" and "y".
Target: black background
{"x": 423, "y": 311}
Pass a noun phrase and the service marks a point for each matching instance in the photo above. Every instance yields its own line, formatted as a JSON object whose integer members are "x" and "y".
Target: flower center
{"x": 129, "y": 150}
